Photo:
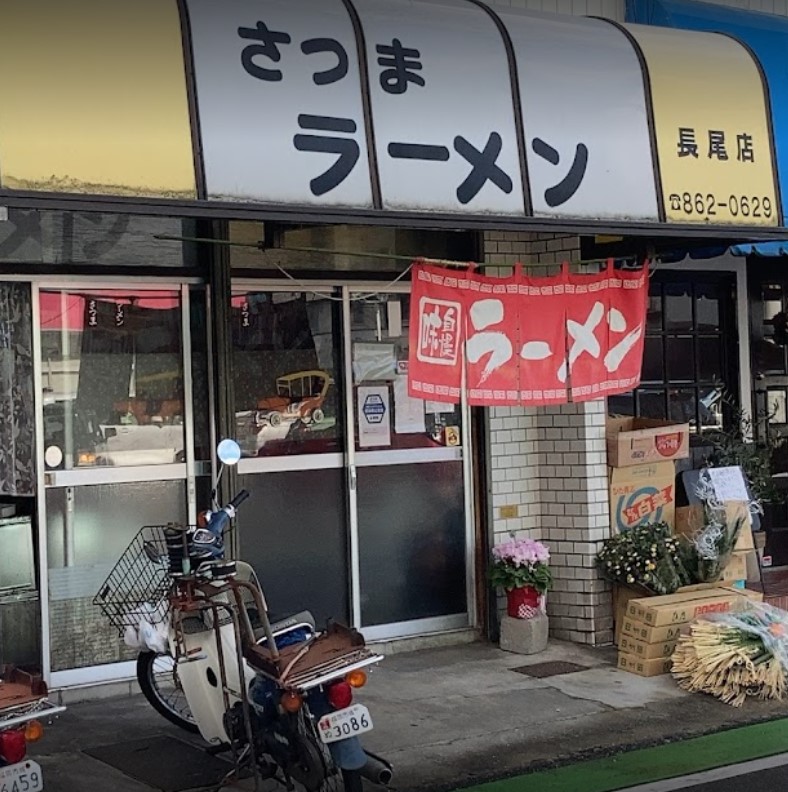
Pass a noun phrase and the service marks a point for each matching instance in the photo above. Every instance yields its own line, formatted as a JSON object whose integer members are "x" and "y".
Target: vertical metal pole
{"x": 352, "y": 475}
{"x": 188, "y": 405}
{"x": 65, "y": 377}
{"x": 221, "y": 338}
{"x": 41, "y": 516}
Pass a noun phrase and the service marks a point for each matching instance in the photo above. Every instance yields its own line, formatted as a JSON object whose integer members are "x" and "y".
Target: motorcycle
{"x": 278, "y": 697}
{"x": 23, "y": 704}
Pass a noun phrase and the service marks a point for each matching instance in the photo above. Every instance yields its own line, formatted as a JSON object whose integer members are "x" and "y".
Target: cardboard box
{"x": 642, "y": 494}
{"x": 736, "y": 568}
{"x": 646, "y": 668}
{"x": 621, "y": 597}
{"x": 682, "y": 607}
{"x": 645, "y": 650}
{"x": 638, "y": 631}
{"x": 634, "y": 441}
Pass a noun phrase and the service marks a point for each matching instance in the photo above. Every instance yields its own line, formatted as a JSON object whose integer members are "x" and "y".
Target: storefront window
{"x": 88, "y": 528}
{"x": 380, "y": 340}
{"x": 286, "y": 374}
{"x": 112, "y": 376}
{"x": 688, "y": 360}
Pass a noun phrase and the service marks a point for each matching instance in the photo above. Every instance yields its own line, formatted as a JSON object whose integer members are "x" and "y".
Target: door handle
{"x": 353, "y": 477}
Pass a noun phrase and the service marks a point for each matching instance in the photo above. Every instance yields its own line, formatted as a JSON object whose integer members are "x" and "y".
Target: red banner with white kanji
{"x": 525, "y": 340}
{"x": 543, "y": 337}
{"x": 437, "y": 316}
{"x": 492, "y": 337}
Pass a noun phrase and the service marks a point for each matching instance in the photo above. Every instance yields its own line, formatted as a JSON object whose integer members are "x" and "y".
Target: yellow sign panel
{"x": 712, "y": 129}
{"x": 93, "y": 98}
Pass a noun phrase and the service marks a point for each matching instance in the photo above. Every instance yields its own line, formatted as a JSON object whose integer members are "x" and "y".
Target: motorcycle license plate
{"x": 344, "y": 723}
{"x": 21, "y": 777}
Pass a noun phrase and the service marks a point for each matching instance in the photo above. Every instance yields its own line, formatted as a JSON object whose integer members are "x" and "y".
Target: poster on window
{"x": 374, "y": 416}
{"x": 526, "y": 340}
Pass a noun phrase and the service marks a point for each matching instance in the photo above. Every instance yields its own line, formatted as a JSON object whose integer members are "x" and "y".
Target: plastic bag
{"x": 762, "y": 621}
{"x": 151, "y": 631}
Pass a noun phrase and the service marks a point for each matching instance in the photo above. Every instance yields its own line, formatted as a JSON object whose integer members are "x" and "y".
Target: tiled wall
{"x": 548, "y": 469}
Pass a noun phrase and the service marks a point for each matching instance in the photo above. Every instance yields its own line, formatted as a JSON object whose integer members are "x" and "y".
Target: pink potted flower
{"x": 520, "y": 567}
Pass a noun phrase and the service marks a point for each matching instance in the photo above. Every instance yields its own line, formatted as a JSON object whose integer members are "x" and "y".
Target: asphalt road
{"x": 761, "y": 775}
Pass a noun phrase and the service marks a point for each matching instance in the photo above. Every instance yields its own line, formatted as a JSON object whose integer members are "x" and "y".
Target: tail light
{"x": 34, "y": 731}
{"x": 12, "y": 745}
{"x": 357, "y": 679}
{"x": 340, "y": 695}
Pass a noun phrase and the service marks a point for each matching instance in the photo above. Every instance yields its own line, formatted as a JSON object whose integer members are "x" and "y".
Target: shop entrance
{"x": 359, "y": 493}
{"x": 117, "y": 450}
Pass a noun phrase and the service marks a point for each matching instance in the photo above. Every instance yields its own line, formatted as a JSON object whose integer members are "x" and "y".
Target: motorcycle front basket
{"x": 137, "y": 588}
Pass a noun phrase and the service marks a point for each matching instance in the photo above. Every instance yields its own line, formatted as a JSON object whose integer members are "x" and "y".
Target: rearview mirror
{"x": 229, "y": 452}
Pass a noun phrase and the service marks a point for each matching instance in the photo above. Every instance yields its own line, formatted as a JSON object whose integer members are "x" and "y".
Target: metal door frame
{"x": 357, "y": 459}
{"x": 185, "y": 471}
{"x": 349, "y": 461}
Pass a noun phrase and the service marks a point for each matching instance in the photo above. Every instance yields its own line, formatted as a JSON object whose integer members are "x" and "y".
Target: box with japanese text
{"x": 642, "y": 494}
{"x": 638, "y": 631}
{"x": 633, "y": 441}
{"x": 646, "y": 650}
{"x": 621, "y": 597}
{"x": 641, "y": 667}
{"x": 736, "y": 568}
{"x": 683, "y": 607}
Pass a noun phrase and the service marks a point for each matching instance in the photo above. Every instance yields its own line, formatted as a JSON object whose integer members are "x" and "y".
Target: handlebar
{"x": 239, "y": 499}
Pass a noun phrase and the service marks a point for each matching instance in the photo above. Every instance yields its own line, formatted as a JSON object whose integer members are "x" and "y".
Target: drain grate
{"x": 549, "y": 669}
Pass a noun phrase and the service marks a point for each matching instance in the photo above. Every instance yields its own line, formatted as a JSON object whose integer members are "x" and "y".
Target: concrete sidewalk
{"x": 447, "y": 718}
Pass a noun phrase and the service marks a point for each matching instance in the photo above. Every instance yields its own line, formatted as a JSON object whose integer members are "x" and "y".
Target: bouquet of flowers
{"x": 521, "y": 562}
{"x": 647, "y": 557}
{"x": 711, "y": 546}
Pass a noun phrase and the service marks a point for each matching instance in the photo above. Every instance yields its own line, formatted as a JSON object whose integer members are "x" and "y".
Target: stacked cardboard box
{"x": 641, "y": 455}
{"x": 651, "y": 626}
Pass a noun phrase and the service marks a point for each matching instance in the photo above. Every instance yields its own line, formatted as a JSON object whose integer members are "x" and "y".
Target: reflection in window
{"x": 112, "y": 377}
{"x": 684, "y": 365}
{"x": 386, "y": 416}
{"x": 285, "y": 373}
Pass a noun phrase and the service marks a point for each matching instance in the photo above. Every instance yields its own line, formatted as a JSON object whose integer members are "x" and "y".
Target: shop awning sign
{"x": 444, "y": 140}
{"x": 592, "y": 158}
{"x": 524, "y": 340}
{"x": 715, "y": 154}
{"x": 445, "y": 108}
{"x": 281, "y": 110}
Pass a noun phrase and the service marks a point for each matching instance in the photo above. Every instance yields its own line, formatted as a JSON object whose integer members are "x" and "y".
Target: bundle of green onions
{"x": 734, "y": 656}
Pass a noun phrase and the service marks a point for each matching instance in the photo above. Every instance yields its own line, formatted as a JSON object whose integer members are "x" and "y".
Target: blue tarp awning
{"x": 765, "y": 249}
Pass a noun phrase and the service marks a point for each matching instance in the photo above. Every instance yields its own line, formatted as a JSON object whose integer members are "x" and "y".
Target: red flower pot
{"x": 522, "y": 602}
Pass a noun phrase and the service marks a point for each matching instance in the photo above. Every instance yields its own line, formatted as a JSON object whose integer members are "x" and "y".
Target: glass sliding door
{"x": 359, "y": 507}
{"x": 408, "y": 481}
{"x": 290, "y": 425}
{"x": 116, "y": 448}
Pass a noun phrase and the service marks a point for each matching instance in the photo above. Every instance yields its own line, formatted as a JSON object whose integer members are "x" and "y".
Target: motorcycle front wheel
{"x": 157, "y": 675}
